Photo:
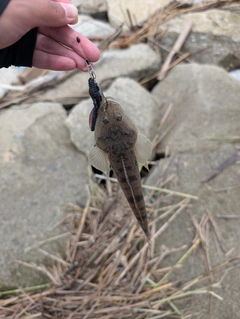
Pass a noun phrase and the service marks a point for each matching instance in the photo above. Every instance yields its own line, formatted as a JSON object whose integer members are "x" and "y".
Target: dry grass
{"x": 109, "y": 270}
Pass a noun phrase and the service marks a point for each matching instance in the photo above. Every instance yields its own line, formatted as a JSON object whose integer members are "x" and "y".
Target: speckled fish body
{"x": 118, "y": 143}
{"x": 124, "y": 164}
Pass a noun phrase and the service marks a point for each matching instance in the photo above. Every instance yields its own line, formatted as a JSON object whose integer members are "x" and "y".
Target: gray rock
{"x": 215, "y": 31}
{"x": 137, "y": 61}
{"x": 92, "y": 28}
{"x": 205, "y": 100}
{"x": 41, "y": 171}
{"x": 76, "y": 3}
{"x": 78, "y": 125}
{"x": 92, "y": 6}
{"x": 136, "y": 101}
{"x": 189, "y": 168}
{"x": 205, "y": 103}
{"x": 117, "y": 10}
{"x": 9, "y": 75}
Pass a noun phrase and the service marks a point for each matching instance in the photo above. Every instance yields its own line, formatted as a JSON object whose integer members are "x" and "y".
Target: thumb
{"x": 56, "y": 14}
{"x": 20, "y": 16}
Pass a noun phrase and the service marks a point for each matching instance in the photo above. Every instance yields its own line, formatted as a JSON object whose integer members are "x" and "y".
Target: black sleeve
{"x": 3, "y": 4}
{"x": 21, "y": 52}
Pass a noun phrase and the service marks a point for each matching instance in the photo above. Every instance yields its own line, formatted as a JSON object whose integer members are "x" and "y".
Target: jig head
{"x": 96, "y": 94}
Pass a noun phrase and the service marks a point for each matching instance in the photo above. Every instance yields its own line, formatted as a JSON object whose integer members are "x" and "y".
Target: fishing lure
{"x": 97, "y": 96}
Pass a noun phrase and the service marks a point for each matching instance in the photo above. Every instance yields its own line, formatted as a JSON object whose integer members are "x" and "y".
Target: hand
{"x": 56, "y": 46}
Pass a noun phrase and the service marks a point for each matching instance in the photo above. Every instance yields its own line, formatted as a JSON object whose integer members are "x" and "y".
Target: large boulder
{"x": 118, "y": 10}
{"x": 205, "y": 103}
{"x": 214, "y": 38}
{"x": 41, "y": 171}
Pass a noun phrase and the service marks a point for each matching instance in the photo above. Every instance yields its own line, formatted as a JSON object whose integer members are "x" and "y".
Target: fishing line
{"x": 88, "y": 63}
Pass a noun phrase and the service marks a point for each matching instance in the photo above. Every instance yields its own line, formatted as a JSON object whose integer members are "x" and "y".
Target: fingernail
{"x": 71, "y": 12}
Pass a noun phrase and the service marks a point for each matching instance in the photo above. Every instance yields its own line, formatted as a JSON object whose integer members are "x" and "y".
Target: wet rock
{"x": 40, "y": 172}
{"x": 214, "y": 38}
{"x": 205, "y": 100}
{"x": 140, "y": 106}
{"x": 138, "y": 61}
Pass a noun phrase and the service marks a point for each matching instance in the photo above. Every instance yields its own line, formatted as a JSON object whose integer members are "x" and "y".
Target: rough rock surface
{"x": 91, "y": 6}
{"x": 117, "y": 10}
{"x": 8, "y": 77}
{"x": 41, "y": 171}
{"x": 205, "y": 100}
{"x": 140, "y": 106}
{"x": 90, "y": 27}
{"x": 214, "y": 38}
{"x": 137, "y": 61}
{"x": 205, "y": 103}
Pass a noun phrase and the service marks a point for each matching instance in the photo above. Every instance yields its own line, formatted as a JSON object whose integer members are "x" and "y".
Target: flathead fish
{"x": 119, "y": 144}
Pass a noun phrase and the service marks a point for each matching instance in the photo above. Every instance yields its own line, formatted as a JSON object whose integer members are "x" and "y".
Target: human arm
{"x": 55, "y": 46}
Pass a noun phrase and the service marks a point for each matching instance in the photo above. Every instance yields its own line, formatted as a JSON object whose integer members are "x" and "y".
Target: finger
{"x": 20, "y": 16}
{"x": 67, "y": 36}
{"x": 63, "y": 1}
{"x": 54, "y": 14}
{"x": 51, "y": 47}
{"x": 43, "y": 60}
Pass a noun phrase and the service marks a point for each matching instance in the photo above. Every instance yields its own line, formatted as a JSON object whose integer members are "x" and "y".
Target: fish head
{"x": 113, "y": 127}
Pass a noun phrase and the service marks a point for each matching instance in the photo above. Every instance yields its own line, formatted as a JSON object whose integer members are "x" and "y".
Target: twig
{"x": 80, "y": 228}
{"x": 176, "y": 48}
{"x": 230, "y": 161}
{"x": 27, "y": 289}
{"x": 168, "y": 191}
{"x": 105, "y": 43}
{"x": 228, "y": 216}
{"x": 180, "y": 261}
{"x": 171, "y": 219}
{"x": 216, "y": 230}
{"x": 41, "y": 268}
{"x": 48, "y": 240}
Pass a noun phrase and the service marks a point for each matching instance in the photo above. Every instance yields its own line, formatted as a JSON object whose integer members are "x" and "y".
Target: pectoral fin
{"x": 98, "y": 159}
{"x": 143, "y": 149}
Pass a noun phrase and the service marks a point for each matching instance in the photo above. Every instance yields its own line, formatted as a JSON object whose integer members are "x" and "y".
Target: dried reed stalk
{"x": 109, "y": 271}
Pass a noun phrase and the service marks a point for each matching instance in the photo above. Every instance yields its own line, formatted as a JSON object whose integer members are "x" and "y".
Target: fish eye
{"x": 105, "y": 120}
{"x": 118, "y": 117}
